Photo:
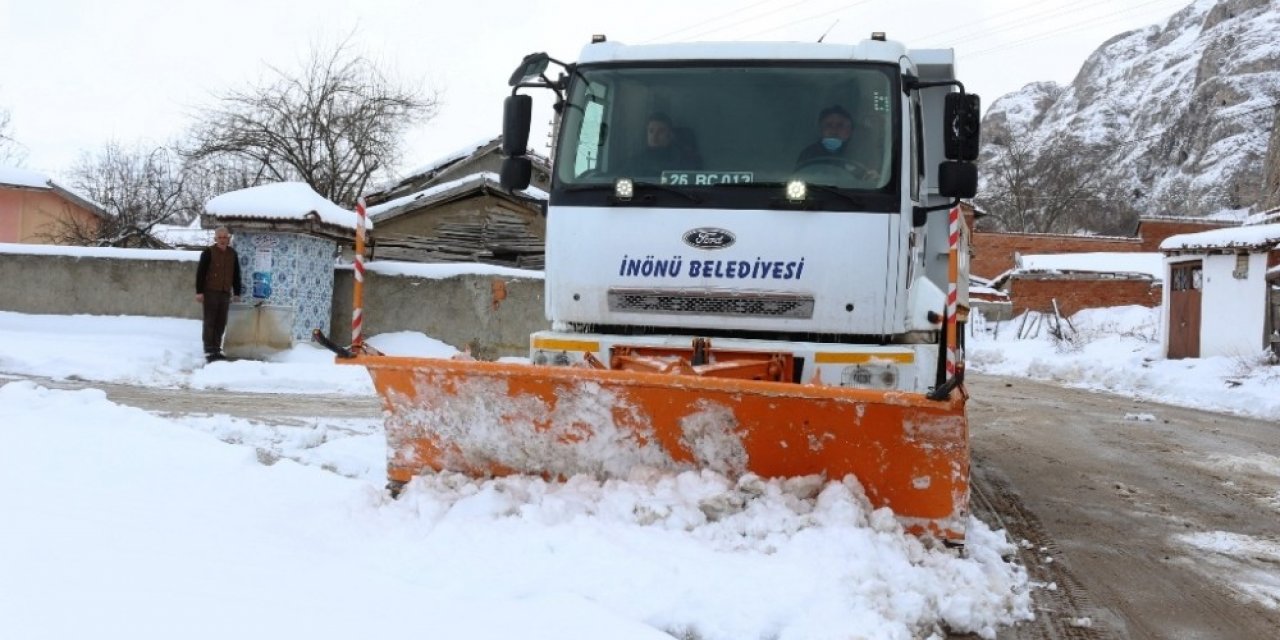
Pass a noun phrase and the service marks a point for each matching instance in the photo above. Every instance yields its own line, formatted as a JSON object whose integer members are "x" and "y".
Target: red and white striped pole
{"x": 357, "y": 292}
{"x": 953, "y": 291}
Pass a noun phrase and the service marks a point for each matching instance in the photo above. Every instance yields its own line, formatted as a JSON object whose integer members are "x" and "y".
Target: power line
{"x": 750, "y": 19}
{"x": 1064, "y": 29}
{"x": 806, "y": 19}
{"x": 987, "y": 27}
{"x": 699, "y": 24}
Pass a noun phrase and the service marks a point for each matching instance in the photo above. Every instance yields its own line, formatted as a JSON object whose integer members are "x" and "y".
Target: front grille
{"x": 765, "y": 305}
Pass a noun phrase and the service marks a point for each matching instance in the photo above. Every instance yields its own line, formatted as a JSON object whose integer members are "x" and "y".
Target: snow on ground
{"x": 1118, "y": 350}
{"x": 125, "y": 523}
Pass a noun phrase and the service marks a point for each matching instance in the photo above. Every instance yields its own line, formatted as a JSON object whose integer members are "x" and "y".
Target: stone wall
{"x": 491, "y": 315}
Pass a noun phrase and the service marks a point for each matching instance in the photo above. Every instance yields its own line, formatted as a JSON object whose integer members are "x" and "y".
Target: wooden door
{"x": 1184, "y": 309}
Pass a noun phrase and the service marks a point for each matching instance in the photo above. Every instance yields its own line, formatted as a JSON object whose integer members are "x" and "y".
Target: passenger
{"x": 835, "y": 146}
{"x": 663, "y": 151}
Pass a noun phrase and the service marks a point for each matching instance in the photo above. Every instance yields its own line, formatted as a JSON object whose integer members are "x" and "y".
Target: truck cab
{"x": 772, "y": 198}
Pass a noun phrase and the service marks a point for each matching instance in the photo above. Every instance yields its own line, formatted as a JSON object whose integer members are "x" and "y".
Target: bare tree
{"x": 138, "y": 187}
{"x": 206, "y": 178}
{"x": 335, "y": 126}
{"x": 11, "y": 153}
{"x": 1058, "y": 187}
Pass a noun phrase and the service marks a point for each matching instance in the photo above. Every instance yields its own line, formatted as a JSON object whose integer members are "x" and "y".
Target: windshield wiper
{"x": 857, "y": 201}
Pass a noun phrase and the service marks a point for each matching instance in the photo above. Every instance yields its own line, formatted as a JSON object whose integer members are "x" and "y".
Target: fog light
{"x": 624, "y": 188}
{"x": 870, "y": 375}
{"x": 561, "y": 359}
{"x": 796, "y": 191}
{"x": 539, "y": 357}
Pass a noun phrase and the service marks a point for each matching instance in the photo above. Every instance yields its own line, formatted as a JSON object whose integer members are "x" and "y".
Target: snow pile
{"x": 156, "y": 525}
{"x": 1118, "y": 350}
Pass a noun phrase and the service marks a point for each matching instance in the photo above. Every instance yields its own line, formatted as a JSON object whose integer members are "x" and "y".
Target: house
{"x": 1223, "y": 297}
{"x": 455, "y": 210}
{"x": 35, "y": 209}
{"x": 478, "y": 157}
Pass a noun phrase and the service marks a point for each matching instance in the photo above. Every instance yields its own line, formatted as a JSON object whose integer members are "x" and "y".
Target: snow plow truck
{"x": 753, "y": 260}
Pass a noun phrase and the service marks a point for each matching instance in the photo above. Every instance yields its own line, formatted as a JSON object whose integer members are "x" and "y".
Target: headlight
{"x": 624, "y": 188}
{"x": 796, "y": 190}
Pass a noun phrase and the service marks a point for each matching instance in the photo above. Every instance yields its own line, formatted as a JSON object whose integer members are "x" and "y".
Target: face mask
{"x": 832, "y": 144}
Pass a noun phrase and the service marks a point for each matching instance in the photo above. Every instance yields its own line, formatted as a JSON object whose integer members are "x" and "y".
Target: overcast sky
{"x": 75, "y": 74}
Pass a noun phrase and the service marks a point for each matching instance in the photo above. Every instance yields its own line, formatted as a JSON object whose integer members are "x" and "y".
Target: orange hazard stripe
{"x": 554, "y": 344}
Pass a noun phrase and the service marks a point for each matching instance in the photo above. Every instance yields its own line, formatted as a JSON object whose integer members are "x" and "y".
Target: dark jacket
{"x": 202, "y": 271}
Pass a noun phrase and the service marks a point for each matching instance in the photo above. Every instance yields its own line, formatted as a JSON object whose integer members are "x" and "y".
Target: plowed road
{"x": 1119, "y": 512}
{"x": 1142, "y": 520}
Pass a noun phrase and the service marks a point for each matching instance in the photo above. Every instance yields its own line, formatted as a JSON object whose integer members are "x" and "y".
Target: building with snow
{"x": 288, "y": 238}
{"x": 455, "y": 210}
{"x": 36, "y": 209}
{"x": 1065, "y": 283}
{"x": 1223, "y": 297}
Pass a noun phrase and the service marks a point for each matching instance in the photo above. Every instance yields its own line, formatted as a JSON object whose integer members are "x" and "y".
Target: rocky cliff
{"x": 1174, "y": 119}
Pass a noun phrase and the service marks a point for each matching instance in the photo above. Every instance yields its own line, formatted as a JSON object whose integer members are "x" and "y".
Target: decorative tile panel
{"x": 289, "y": 269}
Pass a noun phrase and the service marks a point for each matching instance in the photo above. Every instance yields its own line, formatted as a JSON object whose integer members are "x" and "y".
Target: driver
{"x": 835, "y": 127}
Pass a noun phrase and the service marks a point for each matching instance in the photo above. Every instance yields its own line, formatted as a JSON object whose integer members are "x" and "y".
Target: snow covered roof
{"x": 176, "y": 235}
{"x": 26, "y": 178}
{"x": 23, "y": 178}
{"x": 1264, "y": 217}
{"x": 431, "y": 171}
{"x": 1149, "y": 264}
{"x": 431, "y": 194}
{"x": 1263, "y": 237}
{"x": 444, "y": 160}
{"x": 281, "y": 201}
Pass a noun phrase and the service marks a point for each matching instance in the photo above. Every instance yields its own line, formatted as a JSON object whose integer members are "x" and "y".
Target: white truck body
{"x": 856, "y": 293}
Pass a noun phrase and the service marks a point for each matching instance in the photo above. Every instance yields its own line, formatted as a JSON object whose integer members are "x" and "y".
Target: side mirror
{"x": 516, "y": 172}
{"x": 517, "y": 111}
{"x": 531, "y": 67}
{"x": 957, "y": 179}
{"x": 961, "y": 125}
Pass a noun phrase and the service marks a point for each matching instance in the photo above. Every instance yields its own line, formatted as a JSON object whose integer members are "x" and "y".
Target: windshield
{"x": 731, "y": 123}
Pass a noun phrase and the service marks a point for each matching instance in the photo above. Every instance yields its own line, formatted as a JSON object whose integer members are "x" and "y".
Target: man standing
{"x": 217, "y": 281}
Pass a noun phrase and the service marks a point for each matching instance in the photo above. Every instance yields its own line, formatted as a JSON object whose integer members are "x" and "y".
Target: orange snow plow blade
{"x": 909, "y": 453}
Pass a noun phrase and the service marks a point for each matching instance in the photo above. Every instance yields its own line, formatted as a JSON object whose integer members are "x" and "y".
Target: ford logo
{"x": 709, "y": 238}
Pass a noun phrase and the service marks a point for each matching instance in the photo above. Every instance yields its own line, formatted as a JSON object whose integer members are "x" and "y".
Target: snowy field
{"x": 120, "y": 523}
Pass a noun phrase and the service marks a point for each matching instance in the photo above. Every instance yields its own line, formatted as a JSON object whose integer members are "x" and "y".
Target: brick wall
{"x": 1153, "y": 231}
{"x": 1036, "y": 292}
{"x": 993, "y": 252}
